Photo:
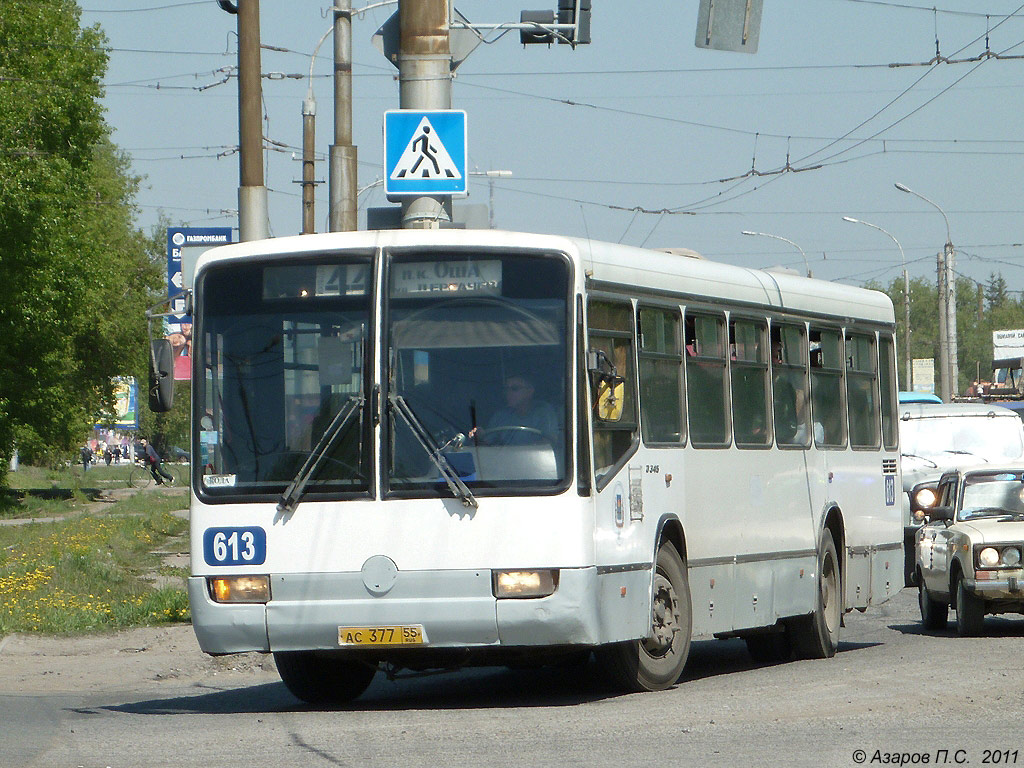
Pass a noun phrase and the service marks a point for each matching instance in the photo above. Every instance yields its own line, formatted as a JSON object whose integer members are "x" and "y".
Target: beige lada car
{"x": 969, "y": 556}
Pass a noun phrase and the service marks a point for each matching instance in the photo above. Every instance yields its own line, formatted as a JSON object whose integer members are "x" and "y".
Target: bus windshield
{"x": 982, "y": 437}
{"x": 476, "y": 353}
{"x": 281, "y": 350}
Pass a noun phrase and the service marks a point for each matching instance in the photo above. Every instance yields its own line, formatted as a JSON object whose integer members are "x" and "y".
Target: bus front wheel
{"x": 656, "y": 662}
{"x": 323, "y": 679}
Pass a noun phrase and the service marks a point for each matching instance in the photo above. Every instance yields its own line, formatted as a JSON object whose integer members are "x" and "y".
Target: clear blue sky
{"x": 656, "y": 123}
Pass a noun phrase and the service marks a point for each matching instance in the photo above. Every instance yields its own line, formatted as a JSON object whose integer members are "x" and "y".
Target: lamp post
{"x": 949, "y": 368}
{"x": 785, "y": 240}
{"x": 906, "y": 290}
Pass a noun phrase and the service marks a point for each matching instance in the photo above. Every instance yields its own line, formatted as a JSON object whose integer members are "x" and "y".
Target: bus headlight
{"x": 240, "y": 589}
{"x": 926, "y": 498}
{"x": 525, "y": 583}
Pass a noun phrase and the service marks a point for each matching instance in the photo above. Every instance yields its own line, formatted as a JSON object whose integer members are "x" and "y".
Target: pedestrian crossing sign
{"x": 424, "y": 152}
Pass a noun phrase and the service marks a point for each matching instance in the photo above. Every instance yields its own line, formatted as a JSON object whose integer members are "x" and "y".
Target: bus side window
{"x": 789, "y": 385}
{"x": 661, "y": 376}
{"x": 611, "y": 333}
{"x": 861, "y": 390}
{"x": 827, "y": 366}
{"x": 887, "y": 387}
{"x": 706, "y": 383}
{"x": 750, "y": 413}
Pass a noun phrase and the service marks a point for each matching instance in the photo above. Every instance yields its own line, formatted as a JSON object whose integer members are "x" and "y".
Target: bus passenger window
{"x": 706, "y": 384}
{"x": 611, "y": 334}
{"x": 826, "y": 359}
{"x": 661, "y": 376}
{"x": 750, "y": 414}
{"x": 861, "y": 389}
{"x": 789, "y": 385}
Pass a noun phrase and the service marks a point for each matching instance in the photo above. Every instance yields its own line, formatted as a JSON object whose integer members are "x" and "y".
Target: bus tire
{"x": 656, "y": 662}
{"x": 970, "y": 611}
{"x": 323, "y": 679}
{"x": 816, "y": 636}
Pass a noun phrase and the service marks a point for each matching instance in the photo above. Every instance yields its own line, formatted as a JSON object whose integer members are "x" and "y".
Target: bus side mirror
{"x": 161, "y": 376}
{"x": 609, "y": 388}
{"x": 610, "y": 392}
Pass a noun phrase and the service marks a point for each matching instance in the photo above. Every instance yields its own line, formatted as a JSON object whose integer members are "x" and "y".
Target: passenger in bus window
{"x": 522, "y": 420}
{"x": 801, "y": 429}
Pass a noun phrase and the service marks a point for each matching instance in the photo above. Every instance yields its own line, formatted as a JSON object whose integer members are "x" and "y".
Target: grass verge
{"x": 91, "y": 572}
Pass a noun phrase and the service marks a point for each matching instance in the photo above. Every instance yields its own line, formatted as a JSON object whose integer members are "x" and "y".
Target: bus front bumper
{"x": 456, "y": 609}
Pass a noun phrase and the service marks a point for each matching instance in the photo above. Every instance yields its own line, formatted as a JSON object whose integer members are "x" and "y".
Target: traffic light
{"x": 532, "y": 35}
{"x": 575, "y": 12}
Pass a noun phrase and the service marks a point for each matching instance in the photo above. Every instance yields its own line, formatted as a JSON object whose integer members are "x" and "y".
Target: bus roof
{"x": 608, "y": 266}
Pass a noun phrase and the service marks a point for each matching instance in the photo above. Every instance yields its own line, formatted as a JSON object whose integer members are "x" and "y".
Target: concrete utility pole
{"x": 252, "y": 194}
{"x": 425, "y": 82}
{"x": 343, "y": 173}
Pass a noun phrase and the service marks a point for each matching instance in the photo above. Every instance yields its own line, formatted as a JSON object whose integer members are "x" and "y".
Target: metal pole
{"x": 425, "y": 82}
{"x": 343, "y": 173}
{"x": 908, "y": 383}
{"x": 252, "y": 194}
{"x": 948, "y": 365}
{"x": 308, "y": 166}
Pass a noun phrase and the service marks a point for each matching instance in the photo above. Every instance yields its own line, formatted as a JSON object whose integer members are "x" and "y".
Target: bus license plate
{"x": 407, "y": 635}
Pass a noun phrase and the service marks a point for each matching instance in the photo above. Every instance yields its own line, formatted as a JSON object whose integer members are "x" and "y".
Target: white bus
{"x": 424, "y": 449}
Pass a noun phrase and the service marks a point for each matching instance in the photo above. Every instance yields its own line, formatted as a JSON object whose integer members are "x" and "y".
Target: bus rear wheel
{"x": 323, "y": 679}
{"x": 816, "y": 636}
{"x": 656, "y": 662}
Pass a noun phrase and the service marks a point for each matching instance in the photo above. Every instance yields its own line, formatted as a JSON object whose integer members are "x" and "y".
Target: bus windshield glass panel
{"x": 477, "y": 365}
{"x": 281, "y": 373}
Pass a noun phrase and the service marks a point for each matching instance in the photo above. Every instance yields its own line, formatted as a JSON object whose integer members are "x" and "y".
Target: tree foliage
{"x": 75, "y": 275}
{"x": 980, "y": 310}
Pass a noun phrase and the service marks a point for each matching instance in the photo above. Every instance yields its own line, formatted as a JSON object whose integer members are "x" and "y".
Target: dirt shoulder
{"x": 120, "y": 661}
{"x": 126, "y": 659}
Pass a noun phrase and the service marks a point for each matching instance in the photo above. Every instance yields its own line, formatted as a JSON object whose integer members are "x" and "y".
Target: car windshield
{"x": 992, "y": 494}
{"x": 280, "y": 353}
{"x": 993, "y": 439}
{"x": 477, "y": 368}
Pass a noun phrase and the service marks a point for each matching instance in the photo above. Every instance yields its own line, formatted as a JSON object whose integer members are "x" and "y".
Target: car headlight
{"x": 989, "y": 557}
{"x": 926, "y": 497}
{"x": 1010, "y": 557}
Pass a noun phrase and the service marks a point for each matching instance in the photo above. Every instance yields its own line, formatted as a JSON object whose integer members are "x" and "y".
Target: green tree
{"x": 75, "y": 276}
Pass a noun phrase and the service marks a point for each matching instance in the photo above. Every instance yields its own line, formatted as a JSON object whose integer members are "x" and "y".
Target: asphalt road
{"x": 892, "y": 692}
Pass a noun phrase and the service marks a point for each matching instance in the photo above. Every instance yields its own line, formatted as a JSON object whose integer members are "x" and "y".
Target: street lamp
{"x": 949, "y": 368}
{"x": 785, "y": 240}
{"x": 906, "y": 290}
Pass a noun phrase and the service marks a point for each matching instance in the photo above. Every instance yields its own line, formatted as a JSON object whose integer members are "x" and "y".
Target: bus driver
{"x": 522, "y": 420}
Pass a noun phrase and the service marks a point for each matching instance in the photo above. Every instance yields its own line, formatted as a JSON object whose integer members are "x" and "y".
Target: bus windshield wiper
{"x": 922, "y": 458}
{"x": 967, "y": 453}
{"x": 451, "y": 477}
{"x": 345, "y": 416}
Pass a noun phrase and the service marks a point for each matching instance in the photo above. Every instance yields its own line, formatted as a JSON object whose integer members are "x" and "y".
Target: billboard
{"x": 184, "y": 247}
{"x": 126, "y": 405}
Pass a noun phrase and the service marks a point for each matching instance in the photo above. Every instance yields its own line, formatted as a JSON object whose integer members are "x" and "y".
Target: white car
{"x": 969, "y": 556}
{"x": 936, "y": 438}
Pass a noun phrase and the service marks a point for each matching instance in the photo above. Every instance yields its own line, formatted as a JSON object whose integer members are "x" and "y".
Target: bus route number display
{"x": 235, "y": 546}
